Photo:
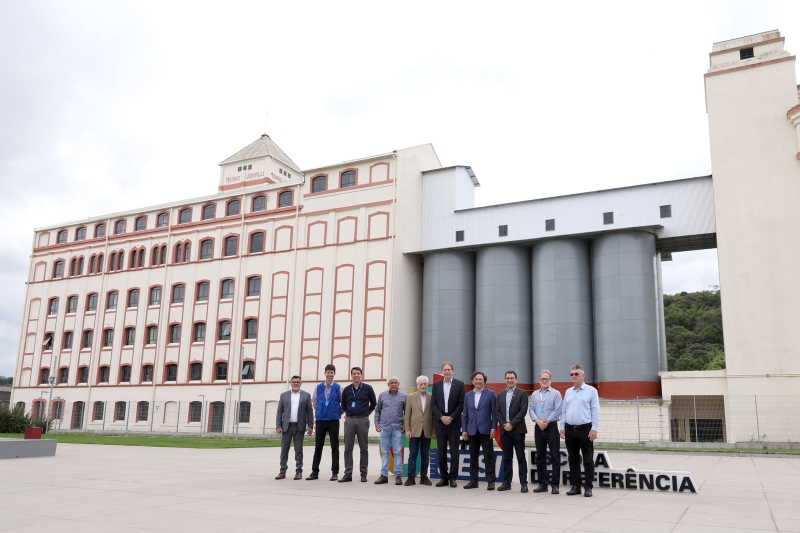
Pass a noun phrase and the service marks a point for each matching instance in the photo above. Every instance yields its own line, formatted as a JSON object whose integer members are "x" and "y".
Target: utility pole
{"x": 239, "y": 402}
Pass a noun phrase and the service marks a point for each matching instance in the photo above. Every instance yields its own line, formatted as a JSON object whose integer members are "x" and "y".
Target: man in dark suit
{"x": 447, "y": 405}
{"x": 478, "y": 424}
{"x": 294, "y": 415}
{"x": 512, "y": 405}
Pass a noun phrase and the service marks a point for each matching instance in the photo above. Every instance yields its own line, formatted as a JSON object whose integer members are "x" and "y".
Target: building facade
{"x": 385, "y": 263}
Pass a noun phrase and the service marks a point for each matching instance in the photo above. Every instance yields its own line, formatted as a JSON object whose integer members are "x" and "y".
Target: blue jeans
{"x": 393, "y": 438}
{"x": 421, "y": 445}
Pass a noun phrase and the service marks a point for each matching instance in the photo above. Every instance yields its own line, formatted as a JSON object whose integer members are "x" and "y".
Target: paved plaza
{"x": 92, "y": 488}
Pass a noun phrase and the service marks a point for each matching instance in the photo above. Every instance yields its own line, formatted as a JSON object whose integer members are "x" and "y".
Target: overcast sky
{"x": 108, "y": 106}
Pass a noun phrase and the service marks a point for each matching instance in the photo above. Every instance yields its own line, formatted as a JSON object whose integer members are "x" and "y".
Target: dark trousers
{"x": 476, "y": 442}
{"x": 419, "y": 445}
{"x": 293, "y": 433}
{"x": 544, "y": 439}
{"x": 448, "y": 435}
{"x": 514, "y": 442}
{"x": 356, "y": 428}
{"x": 578, "y": 443}
{"x": 331, "y": 428}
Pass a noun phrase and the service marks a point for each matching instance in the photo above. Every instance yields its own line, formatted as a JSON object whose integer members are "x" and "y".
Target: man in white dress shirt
{"x": 294, "y": 415}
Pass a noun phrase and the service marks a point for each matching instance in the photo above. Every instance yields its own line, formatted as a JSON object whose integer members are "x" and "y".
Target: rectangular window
{"x": 63, "y": 375}
{"x": 133, "y": 298}
{"x": 130, "y": 335}
{"x": 144, "y": 411}
{"x": 225, "y": 330}
{"x": 83, "y": 375}
{"x": 197, "y": 372}
{"x": 256, "y": 243}
{"x": 251, "y": 329}
{"x": 244, "y": 413}
{"x": 254, "y": 286}
{"x": 222, "y": 371}
{"x": 177, "y": 294}
{"x": 87, "y": 339}
{"x": 248, "y": 370}
{"x": 202, "y": 292}
{"x": 155, "y": 296}
{"x": 72, "y": 304}
{"x": 746, "y": 53}
{"x": 112, "y": 300}
{"x": 172, "y": 372}
{"x": 227, "y": 289}
{"x": 503, "y": 231}
{"x": 550, "y": 224}
{"x": 59, "y": 273}
{"x": 120, "y": 414}
{"x": 148, "y": 373}
{"x": 231, "y": 245}
{"x": 108, "y": 338}
{"x": 175, "y": 334}
{"x": 126, "y": 374}
{"x": 666, "y": 211}
{"x": 206, "y": 249}
{"x": 152, "y": 333}
{"x": 99, "y": 407}
{"x": 67, "y": 340}
{"x": 104, "y": 372}
{"x": 53, "y": 306}
{"x": 91, "y": 303}
{"x": 199, "y": 332}
{"x": 195, "y": 411}
{"x": 460, "y": 235}
{"x": 608, "y": 218}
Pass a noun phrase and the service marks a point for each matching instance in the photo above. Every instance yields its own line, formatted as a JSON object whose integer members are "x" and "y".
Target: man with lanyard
{"x": 390, "y": 423}
{"x": 545, "y": 410}
{"x": 358, "y": 402}
{"x": 328, "y": 409}
{"x": 580, "y": 417}
{"x": 512, "y": 406}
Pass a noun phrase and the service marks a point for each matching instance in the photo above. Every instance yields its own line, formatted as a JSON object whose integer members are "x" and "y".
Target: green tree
{"x": 694, "y": 331}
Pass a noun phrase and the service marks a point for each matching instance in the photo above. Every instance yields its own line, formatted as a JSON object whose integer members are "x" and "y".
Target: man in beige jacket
{"x": 419, "y": 430}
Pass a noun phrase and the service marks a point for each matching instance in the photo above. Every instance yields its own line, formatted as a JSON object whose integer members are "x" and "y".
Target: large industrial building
{"x": 385, "y": 263}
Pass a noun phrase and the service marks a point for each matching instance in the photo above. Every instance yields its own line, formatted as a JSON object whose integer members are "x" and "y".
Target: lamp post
{"x": 52, "y": 381}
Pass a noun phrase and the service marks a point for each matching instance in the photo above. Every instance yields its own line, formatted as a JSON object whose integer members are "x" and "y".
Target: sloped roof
{"x": 263, "y": 146}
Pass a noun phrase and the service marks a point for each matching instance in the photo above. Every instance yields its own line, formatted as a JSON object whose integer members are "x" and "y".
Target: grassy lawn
{"x": 163, "y": 441}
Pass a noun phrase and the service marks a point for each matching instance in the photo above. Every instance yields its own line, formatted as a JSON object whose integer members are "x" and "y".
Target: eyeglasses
{"x": 544, "y": 379}
{"x": 574, "y": 373}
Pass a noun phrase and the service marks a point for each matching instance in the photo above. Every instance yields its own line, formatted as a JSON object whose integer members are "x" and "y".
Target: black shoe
{"x": 453, "y": 484}
{"x": 423, "y": 480}
{"x": 471, "y": 485}
{"x": 363, "y": 478}
{"x": 540, "y": 488}
{"x": 587, "y": 492}
{"x": 555, "y": 489}
{"x": 504, "y": 486}
{"x": 442, "y": 483}
{"x": 410, "y": 481}
{"x": 312, "y": 476}
{"x": 346, "y": 478}
{"x": 573, "y": 491}
{"x": 334, "y": 476}
{"x": 490, "y": 486}
{"x": 524, "y": 488}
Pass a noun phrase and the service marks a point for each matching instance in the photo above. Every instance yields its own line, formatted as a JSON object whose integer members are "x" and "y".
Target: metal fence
{"x": 686, "y": 419}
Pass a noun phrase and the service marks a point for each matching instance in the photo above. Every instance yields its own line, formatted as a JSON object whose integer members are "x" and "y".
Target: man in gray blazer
{"x": 294, "y": 415}
{"x": 512, "y": 406}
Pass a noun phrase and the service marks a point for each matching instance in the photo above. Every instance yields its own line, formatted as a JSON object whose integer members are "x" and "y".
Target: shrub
{"x": 13, "y": 420}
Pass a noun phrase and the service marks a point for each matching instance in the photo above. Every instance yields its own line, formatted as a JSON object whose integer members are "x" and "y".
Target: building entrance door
{"x": 217, "y": 417}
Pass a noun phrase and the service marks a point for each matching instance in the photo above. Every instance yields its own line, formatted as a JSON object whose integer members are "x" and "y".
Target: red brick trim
{"x": 793, "y": 110}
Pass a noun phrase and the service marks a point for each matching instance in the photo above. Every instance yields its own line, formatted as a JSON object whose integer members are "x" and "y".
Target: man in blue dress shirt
{"x": 478, "y": 423}
{"x": 580, "y": 416}
{"x": 545, "y": 411}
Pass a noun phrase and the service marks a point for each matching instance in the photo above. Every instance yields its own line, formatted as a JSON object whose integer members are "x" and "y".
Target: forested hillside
{"x": 694, "y": 331}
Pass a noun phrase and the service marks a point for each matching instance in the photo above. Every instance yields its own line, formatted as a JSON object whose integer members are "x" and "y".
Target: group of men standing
{"x": 451, "y": 415}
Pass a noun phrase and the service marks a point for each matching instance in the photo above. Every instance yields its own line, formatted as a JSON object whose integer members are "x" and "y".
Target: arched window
{"x": 119, "y": 227}
{"x": 319, "y": 184}
{"x": 121, "y": 261}
{"x": 196, "y": 372}
{"x": 221, "y": 371}
{"x": 119, "y": 411}
{"x": 231, "y": 245}
{"x": 249, "y": 370}
{"x": 100, "y": 230}
{"x": 88, "y": 336}
{"x": 61, "y": 237}
{"x": 202, "y": 291}
{"x": 195, "y": 412}
{"x": 133, "y": 298}
{"x": 147, "y": 373}
{"x": 172, "y": 373}
{"x": 63, "y": 375}
{"x": 83, "y": 374}
{"x": 73, "y": 266}
{"x": 257, "y": 242}
{"x": 108, "y": 338}
{"x": 91, "y": 302}
{"x": 105, "y": 372}
{"x": 250, "y": 328}
{"x": 72, "y": 304}
{"x": 259, "y": 203}
{"x": 58, "y": 269}
{"x": 285, "y": 199}
{"x": 99, "y": 264}
{"x": 155, "y": 295}
{"x": 141, "y": 258}
{"x": 112, "y": 261}
{"x": 53, "y": 307}
{"x": 111, "y": 300}
{"x": 232, "y": 208}
{"x": 133, "y": 259}
{"x": 152, "y": 334}
{"x": 80, "y": 266}
{"x": 185, "y": 216}
{"x": 142, "y": 411}
{"x": 141, "y": 224}
{"x": 162, "y": 220}
{"x": 97, "y": 412}
{"x": 254, "y": 286}
{"x": 44, "y": 376}
{"x": 227, "y": 289}
{"x": 206, "y": 249}
{"x": 186, "y": 252}
{"x": 200, "y": 332}
{"x": 178, "y": 254}
{"x": 208, "y": 211}
{"x": 177, "y": 293}
{"x": 92, "y": 264}
{"x": 163, "y": 255}
{"x": 244, "y": 413}
{"x": 130, "y": 336}
{"x": 125, "y": 374}
{"x": 175, "y": 334}
{"x": 80, "y": 234}
{"x": 348, "y": 179}
{"x": 154, "y": 260}
{"x": 225, "y": 330}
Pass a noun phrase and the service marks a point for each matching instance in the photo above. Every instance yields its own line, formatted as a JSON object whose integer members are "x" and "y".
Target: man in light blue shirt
{"x": 580, "y": 416}
{"x": 545, "y": 410}
{"x": 390, "y": 423}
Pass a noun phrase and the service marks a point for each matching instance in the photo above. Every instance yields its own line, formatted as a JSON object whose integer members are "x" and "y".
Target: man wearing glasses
{"x": 545, "y": 410}
{"x": 580, "y": 416}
